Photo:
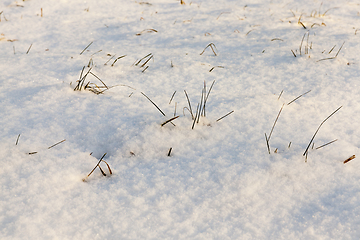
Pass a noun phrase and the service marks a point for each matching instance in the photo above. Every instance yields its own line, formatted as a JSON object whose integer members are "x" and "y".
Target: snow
{"x": 219, "y": 181}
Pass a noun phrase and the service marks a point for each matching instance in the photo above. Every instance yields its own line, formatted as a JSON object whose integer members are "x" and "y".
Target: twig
{"x": 169, "y": 152}
{"x": 225, "y": 115}
{"x": 85, "y": 48}
{"x": 298, "y": 97}
{"x": 312, "y": 139}
{"x": 293, "y": 53}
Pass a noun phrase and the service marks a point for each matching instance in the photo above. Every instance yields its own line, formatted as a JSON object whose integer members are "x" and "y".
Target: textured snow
{"x": 219, "y": 181}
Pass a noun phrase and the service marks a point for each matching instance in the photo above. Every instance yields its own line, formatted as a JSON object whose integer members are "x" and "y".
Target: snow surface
{"x": 219, "y": 181}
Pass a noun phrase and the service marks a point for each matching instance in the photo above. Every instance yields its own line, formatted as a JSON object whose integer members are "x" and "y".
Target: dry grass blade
{"x": 152, "y": 57}
{"x": 57, "y": 143}
{"x": 326, "y": 144}
{"x": 96, "y": 167}
{"x": 201, "y": 102}
{"x": 339, "y": 49}
{"x": 86, "y": 48}
{"x": 169, "y": 152}
{"x": 146, "y": 31}
{"x": 302, "y": 25}
{"x": 95, "y": 53}
{"x": 99, "y": 79}
{"x": 175, "y": 109}
{"x": 215, "y": 67}
{"x": 249, "y": 32}
{"x": 29, "y": 49}
{"x": 82, "y": 80}
{"x": 298, "y": 97}
{"x": 325, "y": 59}
{"x": 196, "y": 115}
{"x": 167, "y": 121}
{"x": 293, "y": 53}
{"x": 117, "y": 59}
{"x": 145, "y": 69}
{"x": 143, "y": 59}
{"x": 222, "y": 14}
{"x": 307, "y": 44}
{"x": 30, "y": 153}
{"x": 349, "y": 159}
{"x": 91, "y": 63}
{"x": 172, "y": 97}
{"x": 82, "y": 71}
{"x": 280, "y": 94}
{"x": 225, "y": 115}
{"x": 188, "y": 110}
{"x": 207, "y": 96}
{"x": 109, "y": 60}
{"x": 302, "y": 42}
{"x": 335, "y": 55}
{"x": 332, "y": 49}
{"x": 275, "y": 122}
{"x": 211, "y": 46}
{"x": 312, "y": 139}
{"x": 267, "y": 143}
{"x": 153, "y": 104}
{"x": 187, "y": 97}
{"x": 107, "y": 166}
{"x": 17, "y": 140}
